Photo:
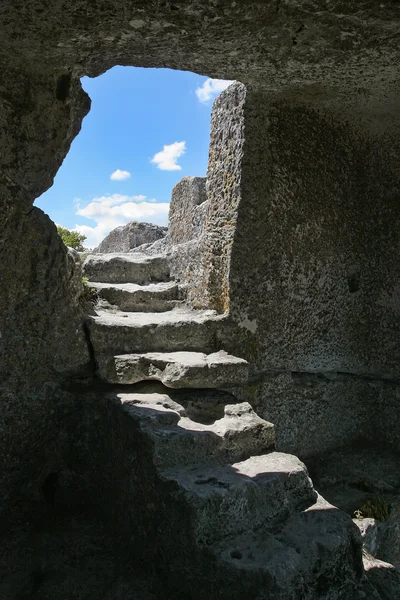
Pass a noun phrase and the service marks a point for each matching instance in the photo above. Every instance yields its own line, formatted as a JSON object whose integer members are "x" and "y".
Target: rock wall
{"x": 132, "y": 235}
{"x": 42, "y": 342}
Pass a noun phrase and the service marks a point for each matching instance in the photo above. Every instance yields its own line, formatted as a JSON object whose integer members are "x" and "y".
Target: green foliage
{"x": 375, "y": 508}
{"x": 89, "y": 294}
{"x": 73, "y": 239}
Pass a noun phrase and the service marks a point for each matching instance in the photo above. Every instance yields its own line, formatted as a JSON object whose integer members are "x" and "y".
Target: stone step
{"x": 259, "y": 493}
{"x": 180, "y": 329}
{"x": 176, "y": 369}
{"x": 126, "y": 268}
{"x": 155, "y": 297}
{"x": 177, "y": 440}
{"x": 284, "y": 562}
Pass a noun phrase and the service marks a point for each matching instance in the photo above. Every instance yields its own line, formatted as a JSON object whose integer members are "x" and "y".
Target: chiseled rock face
{"x": 126, "y": 237}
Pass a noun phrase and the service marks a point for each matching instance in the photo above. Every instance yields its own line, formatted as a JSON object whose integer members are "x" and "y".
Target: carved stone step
{"x": 180, "y": 329}
{"x": 259, "y": 493}
{"x": 177, "y": 440}
{"x": 155, "y": 297}
{"x": 177, "y": 369}
{"x": 126, "y": 268}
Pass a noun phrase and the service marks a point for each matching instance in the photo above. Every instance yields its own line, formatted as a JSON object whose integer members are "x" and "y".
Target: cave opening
{"x": 147, "y": 128}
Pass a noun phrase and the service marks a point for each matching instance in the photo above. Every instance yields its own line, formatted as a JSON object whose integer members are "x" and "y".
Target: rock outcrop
{"x": 127, "y": 237}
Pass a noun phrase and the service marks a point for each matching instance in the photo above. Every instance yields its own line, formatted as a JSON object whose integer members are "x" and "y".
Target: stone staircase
{"x": 222, "y": 498}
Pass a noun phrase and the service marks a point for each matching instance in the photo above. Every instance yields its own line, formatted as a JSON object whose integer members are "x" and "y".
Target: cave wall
{"x": 42, "y": 341}
{"x": 314, "y": 269}
{"x": 307, "y": 49}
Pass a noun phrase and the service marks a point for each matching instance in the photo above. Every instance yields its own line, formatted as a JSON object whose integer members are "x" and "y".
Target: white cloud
{"x": 119, "y": 175}
{"x": 211, "y": 88}
{"x": 109, "y": 212}
{"x": 166, "y": 159}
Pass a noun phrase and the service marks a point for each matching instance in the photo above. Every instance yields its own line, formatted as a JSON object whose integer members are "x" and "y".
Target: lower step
{"x": 176, "y": 439}
{"x": 180, "y": 329}
{"x": 258, "y": 493}
{"x": 176, "y": 369}
{"x": 155, "y": 297}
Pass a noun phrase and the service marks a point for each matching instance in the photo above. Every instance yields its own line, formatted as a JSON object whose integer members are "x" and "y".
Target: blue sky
{"x": 147, "y": 128}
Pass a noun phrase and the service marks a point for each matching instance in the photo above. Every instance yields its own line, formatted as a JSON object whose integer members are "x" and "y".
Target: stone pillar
{"x": 223, "y": 193}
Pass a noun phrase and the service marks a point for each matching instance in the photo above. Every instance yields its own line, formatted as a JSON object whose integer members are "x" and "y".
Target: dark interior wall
{"x": 315, "y": 269}
{"x": 41, "y": 335}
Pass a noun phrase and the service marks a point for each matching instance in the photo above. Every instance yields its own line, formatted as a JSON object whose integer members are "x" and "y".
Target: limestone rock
{"x": 382, "y": 579}
{"x": 126, "y": 237}
{"x": 286, "y": 562}
{"x": 255, "y": 494}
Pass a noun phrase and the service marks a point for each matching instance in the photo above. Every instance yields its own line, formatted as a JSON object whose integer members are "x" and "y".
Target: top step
{"x": 126, "y": 268}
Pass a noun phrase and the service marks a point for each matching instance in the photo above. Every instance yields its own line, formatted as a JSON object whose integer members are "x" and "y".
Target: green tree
{"x": 73, "y": 239}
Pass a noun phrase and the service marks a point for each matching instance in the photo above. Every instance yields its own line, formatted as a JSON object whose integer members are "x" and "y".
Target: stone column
{"x": 223, "y": 193}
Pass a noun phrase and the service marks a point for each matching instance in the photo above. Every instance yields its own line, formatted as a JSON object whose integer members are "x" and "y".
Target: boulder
{"x": 126, "y": 237}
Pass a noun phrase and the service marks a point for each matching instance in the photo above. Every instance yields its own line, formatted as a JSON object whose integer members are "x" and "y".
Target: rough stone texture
{"x": 315, "y": 554}
{"x": 305, "y": 274}
{"x": 177, "y": 369}
{"x": 258, "y": 493}
{"x": 363, "y": 480}
{"x": 314, "y": 412}
{"x": 316, "y": 282}
{"x": 382, "y": 579}
{"x": 39, "y": 306}
{"x": 42, "y": 342}
{"x": 321, "y": 129}
{"x": 186, "y": 213}
{"x": 126, "y": 237}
